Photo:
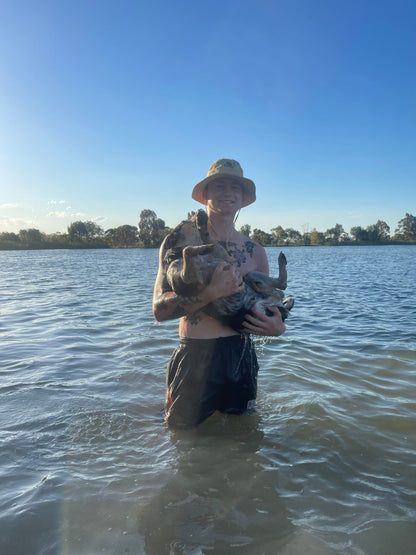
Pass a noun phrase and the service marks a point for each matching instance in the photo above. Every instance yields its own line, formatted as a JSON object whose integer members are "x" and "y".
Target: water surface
{"x": 326, "y": 465}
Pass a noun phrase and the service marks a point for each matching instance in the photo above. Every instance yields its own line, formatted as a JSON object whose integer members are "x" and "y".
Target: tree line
{"x": 151, "y": 230}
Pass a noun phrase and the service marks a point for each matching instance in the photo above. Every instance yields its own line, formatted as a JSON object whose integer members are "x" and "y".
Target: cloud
{"x": 66, "y": 214}
{"x": 62, "y": 210}
{"x": 57, "y": 214}
{"x": 16, "y": 224}
{"x": 8, "y": 205}
{"x": 57, "y": 202}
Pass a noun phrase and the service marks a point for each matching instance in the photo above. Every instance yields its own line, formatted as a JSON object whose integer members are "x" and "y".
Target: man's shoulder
{"x": 249, "y": 254}
{"x": 249, "y": 244}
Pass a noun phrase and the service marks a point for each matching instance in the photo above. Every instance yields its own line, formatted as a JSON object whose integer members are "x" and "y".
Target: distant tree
{"x": 85, "y": 231}
{"x": 383, "y": 230}
{"x": 316, "y": 238}
{"x": 124, "y": 236}
{"x": 261, "y": 237}
{"x": 293, "y": 236}
{"x": 57, "y": 240}
{"x": 152, "y": 229}
{"x": 9, "y": 241}
{"x": 9, "y": 236}
{"x": 110, "y": 236}
{"x": 372, "y": 234}
{"x": 30, "y": 236}
{"x": 148, "y": 227}
{"x": 279, "y": 235}
{"x": 345, "y": 237}
{"x": 406, "y": 230}
{"x": 77, "y": 231}
{"x": 333, "y": 235}
{"x": 359, "y": 234}
{"x": 378, "y": 232}
{"x": 93, "y": 230}
{"x": 306, "y": 238}
{"x": 245, "y": 230}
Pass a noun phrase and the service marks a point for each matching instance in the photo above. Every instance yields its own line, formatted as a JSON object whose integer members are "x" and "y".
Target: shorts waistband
{"x": 194, "y": 341}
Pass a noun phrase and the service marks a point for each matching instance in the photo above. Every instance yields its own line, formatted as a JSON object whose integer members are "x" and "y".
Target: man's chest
{"x": 243, "y": 254}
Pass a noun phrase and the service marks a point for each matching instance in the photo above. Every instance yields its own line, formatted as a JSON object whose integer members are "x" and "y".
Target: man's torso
{"x": 200, "y": 325}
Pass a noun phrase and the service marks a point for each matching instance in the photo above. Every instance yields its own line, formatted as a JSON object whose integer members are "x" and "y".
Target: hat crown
{"x": 225, "y": 166}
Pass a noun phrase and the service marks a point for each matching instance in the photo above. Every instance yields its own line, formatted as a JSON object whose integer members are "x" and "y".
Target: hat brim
{"x": 248, "y": 187}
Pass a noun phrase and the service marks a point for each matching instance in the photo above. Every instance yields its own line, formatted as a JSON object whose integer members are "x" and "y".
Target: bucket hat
{"x": 224, "y": 167}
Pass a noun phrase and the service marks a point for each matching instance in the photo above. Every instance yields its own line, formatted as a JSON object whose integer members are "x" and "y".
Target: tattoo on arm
{"x": 165, "y": 302}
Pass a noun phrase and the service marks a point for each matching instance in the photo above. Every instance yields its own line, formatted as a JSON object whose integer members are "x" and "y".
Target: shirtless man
{"x": 214, "y": 367}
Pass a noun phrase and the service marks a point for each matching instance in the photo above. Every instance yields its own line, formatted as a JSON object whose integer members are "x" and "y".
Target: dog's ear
{"x": 263, "y": 284}
{"x": 202, "y": 225}
{"x": 276, "y": 283}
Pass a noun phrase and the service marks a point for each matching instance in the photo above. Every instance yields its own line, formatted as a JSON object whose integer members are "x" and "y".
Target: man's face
{"x": 224, "y": 195}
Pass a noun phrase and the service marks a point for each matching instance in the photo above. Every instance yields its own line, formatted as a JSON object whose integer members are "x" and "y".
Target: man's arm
{"x": 167, "y": 305}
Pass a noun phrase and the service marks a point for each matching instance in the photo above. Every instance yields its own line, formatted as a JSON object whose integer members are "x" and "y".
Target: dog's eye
{"x": 173, "y": 254}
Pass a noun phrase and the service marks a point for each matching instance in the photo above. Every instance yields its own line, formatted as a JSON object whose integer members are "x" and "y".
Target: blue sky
{"x": 108, "y": 108}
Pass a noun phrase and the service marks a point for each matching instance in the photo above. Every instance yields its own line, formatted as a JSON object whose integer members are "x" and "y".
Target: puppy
{"x": 190, "y": 261}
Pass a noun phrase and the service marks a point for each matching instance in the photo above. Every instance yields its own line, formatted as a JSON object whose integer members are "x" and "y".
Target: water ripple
{"x": 326, "y": 465}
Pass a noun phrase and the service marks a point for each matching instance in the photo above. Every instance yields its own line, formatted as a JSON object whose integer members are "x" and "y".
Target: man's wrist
{"x": 206, "y": 295}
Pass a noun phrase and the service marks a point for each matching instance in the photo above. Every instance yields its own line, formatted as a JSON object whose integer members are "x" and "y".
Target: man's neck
{"x": 221, "y": 226}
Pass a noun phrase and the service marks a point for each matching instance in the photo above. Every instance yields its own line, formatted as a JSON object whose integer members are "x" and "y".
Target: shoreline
{"x": 107, "y": 247}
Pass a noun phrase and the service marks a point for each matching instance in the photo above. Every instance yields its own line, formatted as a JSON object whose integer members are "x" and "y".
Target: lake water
{"x": 326, "y": 465}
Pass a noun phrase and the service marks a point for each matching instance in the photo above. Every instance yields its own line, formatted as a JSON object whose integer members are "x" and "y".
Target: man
{"x": 214, "y": 367}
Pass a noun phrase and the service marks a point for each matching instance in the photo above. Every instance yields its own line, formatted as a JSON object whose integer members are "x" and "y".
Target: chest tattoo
{"x": 240, "y": 253}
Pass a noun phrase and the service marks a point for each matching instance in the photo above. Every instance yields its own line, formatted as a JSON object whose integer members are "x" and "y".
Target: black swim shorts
{"x": 205, "y": 375}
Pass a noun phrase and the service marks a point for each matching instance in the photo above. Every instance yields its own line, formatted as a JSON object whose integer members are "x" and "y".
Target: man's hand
{"x": 226, "y": 280}
{"x": 260, "y": 324}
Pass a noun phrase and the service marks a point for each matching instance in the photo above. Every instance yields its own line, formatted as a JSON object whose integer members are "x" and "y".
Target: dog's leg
{"x": 189, "y": 273}
{"x": 282, "y": 279}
